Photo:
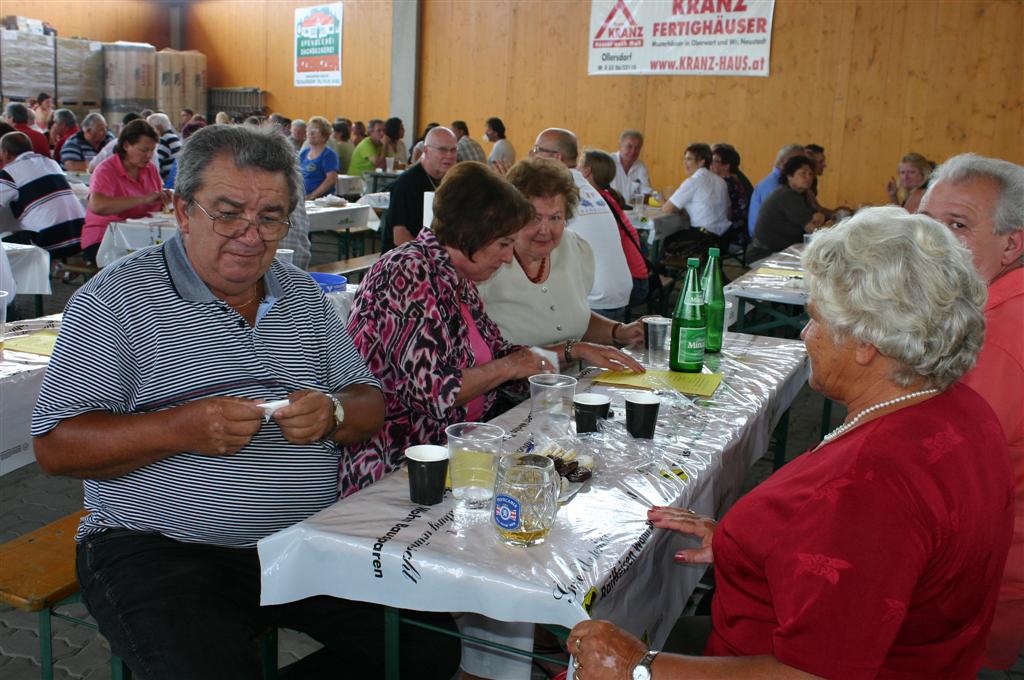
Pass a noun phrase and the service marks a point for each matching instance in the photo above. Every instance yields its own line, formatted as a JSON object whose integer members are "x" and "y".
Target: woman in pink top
{"x": 125, "y": 185}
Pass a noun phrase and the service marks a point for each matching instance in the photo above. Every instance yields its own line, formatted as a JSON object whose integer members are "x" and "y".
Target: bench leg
{"x": 781, "y": 435}
{"x": 119, "y": 669}
{"x": 45, "y": 645}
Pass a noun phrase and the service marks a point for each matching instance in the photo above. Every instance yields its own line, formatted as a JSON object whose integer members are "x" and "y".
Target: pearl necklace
{"x": 846, "y": 427}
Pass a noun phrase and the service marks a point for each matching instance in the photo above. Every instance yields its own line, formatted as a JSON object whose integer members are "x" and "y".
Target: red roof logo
{"x": 623, "y": 33}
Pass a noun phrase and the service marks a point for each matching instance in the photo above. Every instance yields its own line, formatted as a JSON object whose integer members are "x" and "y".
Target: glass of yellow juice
{"x": 525, "y": 498}
{"x": 473, "y": 450}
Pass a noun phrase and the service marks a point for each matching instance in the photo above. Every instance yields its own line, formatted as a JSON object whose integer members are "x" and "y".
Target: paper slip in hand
{"x": 700, "y": 384}
{"x": 547, "y": 355}
{"x": 41, "y": 342}
{"x": 270, "y": 406}
{"x": 781, "y": 273}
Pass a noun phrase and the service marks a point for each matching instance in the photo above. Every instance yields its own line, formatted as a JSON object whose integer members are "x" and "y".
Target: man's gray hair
{"x": 904, "y": 284}
{"x": 65, "y": 117}
{"x": 786, "y": 151}
{"x": 160, "y": 121}
{"x": 1009, "y": 213}
{"x": 631, "y": 133}
{"x": 265, "y": 148}
{"x": 298, "y": 122}
{"x": 18, "y": 113}
{"x": 92, "y": 119}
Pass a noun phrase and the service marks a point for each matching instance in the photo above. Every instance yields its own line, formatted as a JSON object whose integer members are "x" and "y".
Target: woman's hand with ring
{"x": 604, "y": 651}
{"x": 687, "y": 522}
{"x": 604, "y": 356}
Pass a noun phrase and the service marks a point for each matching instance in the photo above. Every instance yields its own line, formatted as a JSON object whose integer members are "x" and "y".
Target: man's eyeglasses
{"x": 540, "y": 149}
{"x": 234, "y": 225}
{"x": 443, "y": 149}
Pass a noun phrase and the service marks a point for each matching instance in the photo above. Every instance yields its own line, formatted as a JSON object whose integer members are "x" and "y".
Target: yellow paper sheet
{"x": 40, "y": 342}
{"x": 783, "y": 273}
{"x": 700, "y": 384}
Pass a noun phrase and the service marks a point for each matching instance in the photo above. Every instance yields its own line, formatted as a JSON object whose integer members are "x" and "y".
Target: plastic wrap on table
{"x": 767, "y": 279}
{"x": 601, "y": 558}
{"x": 28, "y": 64}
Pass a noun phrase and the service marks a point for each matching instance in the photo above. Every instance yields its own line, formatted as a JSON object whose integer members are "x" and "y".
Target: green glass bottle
{"x": 714, "y": 301}
{"x": 689, "y": 327}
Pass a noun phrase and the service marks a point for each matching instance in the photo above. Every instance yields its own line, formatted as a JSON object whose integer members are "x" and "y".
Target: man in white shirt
{"x": 503, "y": 152}
{"x": 631, "y": 175}
{"x": 704, "y": 197}
{"x": 595, "y": 223}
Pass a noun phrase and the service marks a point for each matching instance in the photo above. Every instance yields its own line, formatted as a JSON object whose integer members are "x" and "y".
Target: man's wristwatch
{"x": 339, "y": 414}
{"x": 642, "y": 671}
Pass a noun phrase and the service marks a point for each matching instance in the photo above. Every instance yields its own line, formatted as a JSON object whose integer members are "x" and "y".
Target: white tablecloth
{"x": 658, "y": 225}
{"x": 773, "y": 287}
{"x": 21, "y": 375}
{"x": 351, "y": 216}
{"x": 601, "y": 558}
{"x": 31, "y": 268}
{"x": 122, "y": 238}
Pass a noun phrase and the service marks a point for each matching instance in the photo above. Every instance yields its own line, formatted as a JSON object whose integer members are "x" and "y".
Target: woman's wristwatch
{"x": 615, "y": 341}
{"x": 642, "y": 671}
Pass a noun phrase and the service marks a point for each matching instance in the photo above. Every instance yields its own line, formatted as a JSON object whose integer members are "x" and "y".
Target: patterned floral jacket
{"x": 407, "y": 324}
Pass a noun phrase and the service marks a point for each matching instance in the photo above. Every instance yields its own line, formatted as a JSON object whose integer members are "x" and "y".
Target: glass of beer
{"x": 525, "y": 498}
{"x": 473, "y": 450}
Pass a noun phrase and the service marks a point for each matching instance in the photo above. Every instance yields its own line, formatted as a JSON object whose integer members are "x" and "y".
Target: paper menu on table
{"x": 40, "y": 342}
{"x": 782, "y": 273}
{"x": 700, "y": 384}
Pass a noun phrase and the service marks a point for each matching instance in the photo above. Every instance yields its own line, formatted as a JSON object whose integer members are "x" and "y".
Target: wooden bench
{"x": 353, "y": 268}
{"x": 37, "y": 574}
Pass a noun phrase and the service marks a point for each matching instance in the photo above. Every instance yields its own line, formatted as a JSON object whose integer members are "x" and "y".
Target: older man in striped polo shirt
{"x": 153, "y": 398}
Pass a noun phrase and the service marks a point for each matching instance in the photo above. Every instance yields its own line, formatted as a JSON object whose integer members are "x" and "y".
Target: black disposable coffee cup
{"x": 590, "y": 408}
{"x": 642, "y": 414}
{"x": 428, "y": 466}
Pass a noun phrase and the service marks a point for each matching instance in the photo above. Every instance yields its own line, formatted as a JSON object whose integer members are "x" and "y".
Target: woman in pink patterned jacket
{"x": 421, "y": 326}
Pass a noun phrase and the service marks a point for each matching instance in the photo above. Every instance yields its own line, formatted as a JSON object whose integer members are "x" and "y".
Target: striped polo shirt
{"x": 39, "y": 196}
{"x": 145, "y": 335}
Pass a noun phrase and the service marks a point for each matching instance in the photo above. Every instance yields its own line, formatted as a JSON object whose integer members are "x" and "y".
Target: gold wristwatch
{"x": 339, "y": 414}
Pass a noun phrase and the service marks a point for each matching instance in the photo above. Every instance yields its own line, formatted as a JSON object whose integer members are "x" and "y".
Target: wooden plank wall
{"x": 867, "y": 79}
{"x": 249, "y": 43}
{"x": 106, "y": 20}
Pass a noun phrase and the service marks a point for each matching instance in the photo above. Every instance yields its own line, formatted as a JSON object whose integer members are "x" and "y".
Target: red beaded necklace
{"x": 540, "y": 272}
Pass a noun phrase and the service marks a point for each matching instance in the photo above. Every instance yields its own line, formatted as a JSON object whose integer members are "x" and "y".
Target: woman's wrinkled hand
{"x": 603, "y": 651}
{"x": 690, "y": 523}
{"x": 604, "y": 356}
{"x": 524, "y": 363}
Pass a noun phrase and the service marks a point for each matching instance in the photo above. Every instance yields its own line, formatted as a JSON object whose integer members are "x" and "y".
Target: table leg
{"x": 741, "y": 314}
{"x": 39, "y": 305}
{"x": 392, "y": 619}
{"x": 826, "y": 417}
{"x": 781, "y": 435}
{"x": 45, "y": 644}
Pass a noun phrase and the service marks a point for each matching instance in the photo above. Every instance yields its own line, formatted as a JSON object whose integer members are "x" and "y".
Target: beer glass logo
{"x": 506, "y": 512}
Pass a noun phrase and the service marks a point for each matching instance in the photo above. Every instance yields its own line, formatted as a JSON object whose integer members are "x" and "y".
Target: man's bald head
{"x": 559, "y": 144}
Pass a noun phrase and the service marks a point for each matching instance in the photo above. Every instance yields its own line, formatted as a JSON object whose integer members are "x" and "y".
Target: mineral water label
{"x": 694, "y": 298}
{"x": 691, "y": 344}
{"x": 507, "y": 514}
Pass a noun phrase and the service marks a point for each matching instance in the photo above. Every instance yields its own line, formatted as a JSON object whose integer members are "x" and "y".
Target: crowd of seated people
{"x": 543, "y": 253}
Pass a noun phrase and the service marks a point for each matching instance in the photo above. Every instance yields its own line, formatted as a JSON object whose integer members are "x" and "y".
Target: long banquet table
{"x": 778, "y": 278}
{"x": 601, "y": 559}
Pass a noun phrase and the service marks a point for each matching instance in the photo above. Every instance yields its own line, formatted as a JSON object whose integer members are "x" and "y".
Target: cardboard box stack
{"x": 79, "y": 72}
{"x": 26, "y": 64}
{"x": 129, "y": 79}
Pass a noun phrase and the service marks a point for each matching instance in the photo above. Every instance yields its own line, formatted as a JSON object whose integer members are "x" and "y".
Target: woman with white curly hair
{"x": 879, "y": 552}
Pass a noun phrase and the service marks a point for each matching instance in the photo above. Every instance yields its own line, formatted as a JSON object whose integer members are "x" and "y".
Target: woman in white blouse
{"x": 540, "y": 298}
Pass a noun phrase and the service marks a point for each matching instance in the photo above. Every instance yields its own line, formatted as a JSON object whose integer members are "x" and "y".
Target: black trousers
{"x": 181, "y": 611}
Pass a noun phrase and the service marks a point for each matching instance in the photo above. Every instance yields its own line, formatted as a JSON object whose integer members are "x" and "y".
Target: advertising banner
{"x": 680, "y": 37}
{"x": 318, "y": 45}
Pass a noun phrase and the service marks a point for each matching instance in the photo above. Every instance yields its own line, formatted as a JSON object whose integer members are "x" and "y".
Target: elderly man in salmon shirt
{"x": 981, "y": 200}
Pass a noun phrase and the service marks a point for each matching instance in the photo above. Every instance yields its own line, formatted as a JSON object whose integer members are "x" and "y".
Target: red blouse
{"x": 878, "y": 555}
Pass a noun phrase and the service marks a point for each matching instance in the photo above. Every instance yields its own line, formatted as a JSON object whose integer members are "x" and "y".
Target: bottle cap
{"x": 713, "y": 252}
{"x": 693, "y": 262}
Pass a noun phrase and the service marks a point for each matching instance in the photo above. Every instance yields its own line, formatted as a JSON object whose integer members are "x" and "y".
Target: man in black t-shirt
{"x": 405, "y": 212}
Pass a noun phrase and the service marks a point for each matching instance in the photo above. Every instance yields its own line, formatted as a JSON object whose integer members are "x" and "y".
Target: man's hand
{"x": 308, "y": 418}
{"x": 219, "y": 426}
